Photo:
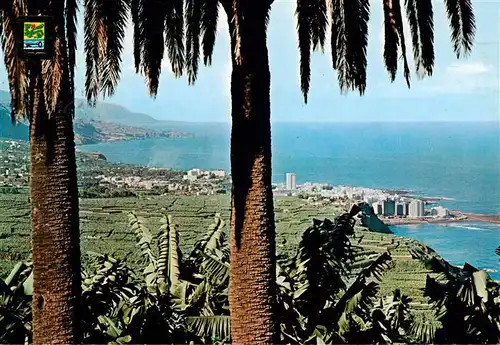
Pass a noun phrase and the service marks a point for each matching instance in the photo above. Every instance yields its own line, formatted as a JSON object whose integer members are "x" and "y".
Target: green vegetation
{"x": 324, "y": 294}
{"x": 104, "y": 229}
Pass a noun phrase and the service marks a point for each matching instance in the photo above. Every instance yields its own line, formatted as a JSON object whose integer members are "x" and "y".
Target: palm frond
{"x": 209, "y": 18}
{"x": 53, "y": 69}
{"x": 193, "y": 21}
{"x": 136, "y": 7}
{"x": 94, "y": 50}
{"x": 114, "y": 20}
{"x": 150, "y": 32}
{"x": 391, "y": 39}
{"x": 319, "y": 23}
{"x": 426, "y": 30}
{"x": 304, "y": 14}
{"x": 216, "y": 326}
{"x": 15, "y": 66}
{"x": 411, "y": 14}
{"x": 462, "y": 25}
{"x": 174, "y": 35}
{"x": 337, "y": 30}
{"x": 399, "y": 26}
{"x": 351, "y": 45}
{"x": 71, "y": 12}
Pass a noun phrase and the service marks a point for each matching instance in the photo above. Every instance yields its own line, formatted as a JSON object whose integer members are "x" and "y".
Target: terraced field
{"x": 104, "y": 229}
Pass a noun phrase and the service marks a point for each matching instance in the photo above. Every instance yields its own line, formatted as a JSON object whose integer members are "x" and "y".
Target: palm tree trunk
{"x": 253, "y": 262}
{"x": 55, "y": 222}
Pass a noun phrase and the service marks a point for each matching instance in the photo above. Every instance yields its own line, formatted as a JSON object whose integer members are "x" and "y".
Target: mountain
{"x": 102, "y": 123}
{"x": 93, "y": 132}
{"x": 8, "y": 130}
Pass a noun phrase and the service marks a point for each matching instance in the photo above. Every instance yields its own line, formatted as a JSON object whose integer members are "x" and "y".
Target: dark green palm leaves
{"x": 349, "y": 36}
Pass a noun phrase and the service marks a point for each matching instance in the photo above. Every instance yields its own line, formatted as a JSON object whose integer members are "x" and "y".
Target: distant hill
{"x": 104, "y": 122}
{"x": 8, "y": 130}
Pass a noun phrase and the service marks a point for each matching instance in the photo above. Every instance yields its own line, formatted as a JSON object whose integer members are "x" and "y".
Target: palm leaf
{"x": 391, "y": 39}
{"x": 15, "y": 66}
{"x": 136, "y": 7}
{"x": 304, "y": 14}
{"x": 462, "y": 25}
{"x": 399, "y": 26}
{"x": 71, "y": 12}
{"x": 209, "y": 18}
{"x": 394, "y": 39}
{"x": 312, "y": 22}
{"x": 426, "y": 31}
{"x": 150, "y": 33}
{"x": 411, "y": 13}
{"x": 216, "y": 326}
{"x": 337, "y": 30}
{"x": 53, "y": 69}
{"x": 193, "y": 18}
{"x": 114, "y": 20}
{"x": 351, "y": 31}
{"x": 174, "y": 35}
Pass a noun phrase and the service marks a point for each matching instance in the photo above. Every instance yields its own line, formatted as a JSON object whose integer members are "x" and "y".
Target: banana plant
{"x": 15, "y": 306}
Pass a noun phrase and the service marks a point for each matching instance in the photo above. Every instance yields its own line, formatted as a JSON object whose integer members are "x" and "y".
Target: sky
{"x": 460, "y": 90}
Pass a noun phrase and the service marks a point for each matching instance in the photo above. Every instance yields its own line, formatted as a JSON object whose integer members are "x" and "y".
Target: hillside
{"x": 104, "y": 123}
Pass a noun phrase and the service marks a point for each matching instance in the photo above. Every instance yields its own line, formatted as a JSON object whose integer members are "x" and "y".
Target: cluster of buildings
{"x": 195, "y": 174}
{"x": 384, "y": 203}
{"x": 413, "y": 208}
{"x": 13, "y": 167}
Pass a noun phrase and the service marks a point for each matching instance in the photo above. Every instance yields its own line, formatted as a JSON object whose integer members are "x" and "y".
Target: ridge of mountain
{"x": 102, "y": 123}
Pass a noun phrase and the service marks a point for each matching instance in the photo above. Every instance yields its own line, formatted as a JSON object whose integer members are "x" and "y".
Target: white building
{"x": 378, "y": 208}
{"x": 416, "y": 209}
{"x": 291, "y": 183}
{"x": 401, "y": 208}
{"x": 219, "y": 173}
{"x": 389, "y": 207}
{"x": 440, "y": 212}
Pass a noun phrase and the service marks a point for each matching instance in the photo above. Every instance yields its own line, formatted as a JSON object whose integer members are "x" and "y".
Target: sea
{"x": 457, "y": 161}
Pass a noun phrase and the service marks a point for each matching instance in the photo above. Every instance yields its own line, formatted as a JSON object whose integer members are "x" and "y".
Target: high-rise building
{"x": 378, "y": 208}
{"x": 291, "y": 182}
{"x": 416, "y": 209}
{"x": 389, "y": 207}
{"x": 401, "y": 208}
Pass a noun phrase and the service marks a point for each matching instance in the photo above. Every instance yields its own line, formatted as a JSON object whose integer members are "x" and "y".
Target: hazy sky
{"x": 460, "y": 90}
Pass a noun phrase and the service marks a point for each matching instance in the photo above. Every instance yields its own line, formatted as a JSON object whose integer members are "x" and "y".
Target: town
{"x": 386, "y": 205}
{"x": 98, "y": 178}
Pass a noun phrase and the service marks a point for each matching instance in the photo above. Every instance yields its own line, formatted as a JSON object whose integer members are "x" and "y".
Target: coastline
{"x": 457, "y": 217}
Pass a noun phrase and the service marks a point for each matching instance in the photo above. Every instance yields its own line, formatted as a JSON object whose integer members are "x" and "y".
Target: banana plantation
{"x": 322, "y": 296}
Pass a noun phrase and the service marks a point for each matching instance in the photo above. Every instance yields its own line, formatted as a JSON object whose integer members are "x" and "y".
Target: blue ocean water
{"x": 454, "y": 160}
{"x": 459, "y": 242}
